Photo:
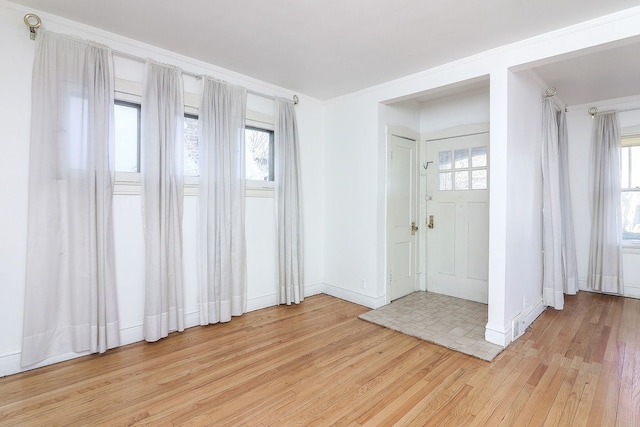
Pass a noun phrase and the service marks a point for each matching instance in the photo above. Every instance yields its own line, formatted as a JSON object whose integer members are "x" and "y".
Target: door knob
{"x": 430, "y": 224}
{"x": 414, "y": 228}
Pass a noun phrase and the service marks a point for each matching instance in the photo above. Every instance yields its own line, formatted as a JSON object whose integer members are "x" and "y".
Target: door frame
{"x": 406, "y": 133}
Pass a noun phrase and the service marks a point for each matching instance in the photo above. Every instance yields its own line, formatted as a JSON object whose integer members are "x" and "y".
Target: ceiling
{"x": 588, "y": 77}
{"x": 329, "y": 48}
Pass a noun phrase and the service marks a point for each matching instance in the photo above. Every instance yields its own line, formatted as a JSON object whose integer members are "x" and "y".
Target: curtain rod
{"x": 33, "y": 21}
{"x": 594, "y": 110}
{"x": 197, "y": 76}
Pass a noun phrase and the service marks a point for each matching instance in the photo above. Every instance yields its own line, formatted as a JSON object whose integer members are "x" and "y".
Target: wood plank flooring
{"x": 318, "y": 364}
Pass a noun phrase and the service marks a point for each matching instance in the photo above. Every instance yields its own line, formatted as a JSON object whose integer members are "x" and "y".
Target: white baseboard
{"x": 10, "y": 362}
{"x": 261, "y": 302}
{"x": 315, "y": 289}
{"x": 629, "y": 291}
{"x": 503, "y": 336}
{"x": 497, "y": 336}
{"x": 533, "y": 312}
{"x": 264, "y": 301}
{"x": 354, "y": 297}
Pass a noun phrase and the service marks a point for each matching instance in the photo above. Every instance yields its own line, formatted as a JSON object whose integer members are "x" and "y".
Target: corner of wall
{"x": 525, "y": 318}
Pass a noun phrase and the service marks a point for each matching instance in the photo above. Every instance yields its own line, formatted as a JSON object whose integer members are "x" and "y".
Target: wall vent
{"x": 517, "y": 327}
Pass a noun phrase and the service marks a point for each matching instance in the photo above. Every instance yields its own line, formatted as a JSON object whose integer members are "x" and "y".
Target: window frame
{"x": 628, "y": 133}
{"x": 271, "y": 134}
{"x": 469, "y": 169}
{"x": 263, "y": 122}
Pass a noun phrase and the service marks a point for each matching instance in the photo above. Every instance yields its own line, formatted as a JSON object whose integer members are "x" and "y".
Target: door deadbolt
{"x": 414, "y": 228}
{"x": 430, "y": 224}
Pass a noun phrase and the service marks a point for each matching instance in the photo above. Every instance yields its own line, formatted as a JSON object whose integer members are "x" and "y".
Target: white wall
{"x": 465, "y": 108}
{"x": 17, "y": 52}
{"x": 402, "y": 114}
{"x": 352, "y": 209}
{"x": 579, "y": 126}
{"x": 524, "y": 188}
{"x": 355, "y": 189}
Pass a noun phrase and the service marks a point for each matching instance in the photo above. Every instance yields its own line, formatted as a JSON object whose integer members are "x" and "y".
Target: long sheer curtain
{"x": 569, "y": 261}
{"x": 221, "y": 246}
{"x": 70, "y": 299}
{"x": 162, "y": 141}
{"x": 552, "y": 285}
{"x": 289, "y": 205}
{"x": 605, "y": 255}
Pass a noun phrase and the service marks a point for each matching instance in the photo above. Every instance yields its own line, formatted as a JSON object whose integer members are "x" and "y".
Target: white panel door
{"x": 458, "y": 216}
{"x": 401, "y": 219}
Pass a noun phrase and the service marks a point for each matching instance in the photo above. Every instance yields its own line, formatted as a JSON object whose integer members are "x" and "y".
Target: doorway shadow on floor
{"x": 451, "y": 322}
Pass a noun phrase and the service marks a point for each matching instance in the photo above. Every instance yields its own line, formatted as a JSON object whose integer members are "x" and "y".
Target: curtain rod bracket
{"x": 295, "y": 99}
{"x": 32, "y": 21}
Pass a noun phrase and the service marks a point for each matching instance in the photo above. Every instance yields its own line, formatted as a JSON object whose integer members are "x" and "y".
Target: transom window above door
{"x": 463, "y": 169}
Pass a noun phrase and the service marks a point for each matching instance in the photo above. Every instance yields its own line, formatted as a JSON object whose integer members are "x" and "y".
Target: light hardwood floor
{"x": 318, "y": 364}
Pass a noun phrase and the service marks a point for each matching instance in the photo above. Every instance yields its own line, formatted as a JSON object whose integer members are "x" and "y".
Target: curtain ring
{"x": 32, "y": 21}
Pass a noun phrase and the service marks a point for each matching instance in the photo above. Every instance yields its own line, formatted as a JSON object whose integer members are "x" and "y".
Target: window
{"x": 191, "y": 145}
{"x": 463, "y": 169}
{"x": 127, "y": 136}
{"x": 127, "y": 139}
{"x": 630, "y": 186}
{"x": 258, "y": 154}
{"x": 258, "y": 145}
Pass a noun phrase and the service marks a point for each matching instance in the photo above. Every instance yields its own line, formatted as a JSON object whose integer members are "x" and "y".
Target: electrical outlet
{"x": 363, "y": 284}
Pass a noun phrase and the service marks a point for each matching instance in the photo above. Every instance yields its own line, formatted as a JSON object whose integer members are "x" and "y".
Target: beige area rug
{"x": 451, "y": 322}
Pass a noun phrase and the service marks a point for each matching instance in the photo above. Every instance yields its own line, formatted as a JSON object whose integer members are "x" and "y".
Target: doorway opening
{"x": 439, "y": 218}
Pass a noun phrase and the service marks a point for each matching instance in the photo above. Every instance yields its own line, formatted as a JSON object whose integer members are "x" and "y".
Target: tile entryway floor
{"x": 451, "y": 322}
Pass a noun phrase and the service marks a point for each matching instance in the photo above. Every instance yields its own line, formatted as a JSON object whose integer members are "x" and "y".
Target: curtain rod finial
{"x": 296, "y": 100}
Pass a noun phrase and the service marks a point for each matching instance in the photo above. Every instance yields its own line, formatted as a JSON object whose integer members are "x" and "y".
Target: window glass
{"x": 462, "y": 159}
{"x": 624, "y": 167}
{"x": 479, "y": 179}
{"x": 478, "y": 157}
{"x": 191, "y": 146}
{"x": 258, "y": 154}
{"x": 630, "y": 215}
{"x": 444, "y": 160}
{"x": 462, "y": 180}
{"x": 445, "y": 181}
{"x": 127, "y": 136}
{"x": 634, "y": 167}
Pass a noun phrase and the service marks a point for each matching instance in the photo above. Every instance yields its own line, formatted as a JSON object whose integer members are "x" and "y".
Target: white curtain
{"x": 552, "y": 283}
{"x": 221, "y": 246}
{"x": 162, "y": 141}
{"x": 569, "y": 261}
{"x": 605, "y": 255}
{"x": 70, "y": 298}
{"x": 290, "y": 278}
